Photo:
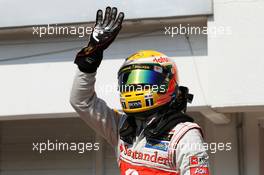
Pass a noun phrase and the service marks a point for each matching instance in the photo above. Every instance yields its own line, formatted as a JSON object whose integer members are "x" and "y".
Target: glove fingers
{"x": 99, "y": 17}
{"x": 107, "y": 16}
{"x": 113, "y": 18}
{"x": 119, "y": 21}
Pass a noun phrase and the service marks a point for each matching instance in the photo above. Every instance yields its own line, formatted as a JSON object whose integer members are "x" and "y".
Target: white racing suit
{"x": 175, "y": 153}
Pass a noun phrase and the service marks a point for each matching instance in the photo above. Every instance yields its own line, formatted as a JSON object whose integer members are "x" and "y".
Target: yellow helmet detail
{"x": 147, "y": 80}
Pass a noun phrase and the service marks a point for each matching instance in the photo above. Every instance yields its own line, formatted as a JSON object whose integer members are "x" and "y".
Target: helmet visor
{"x": 141, "y": 77}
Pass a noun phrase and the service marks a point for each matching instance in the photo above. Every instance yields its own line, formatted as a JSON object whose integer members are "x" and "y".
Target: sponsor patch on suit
{"x": 157, "y": 144}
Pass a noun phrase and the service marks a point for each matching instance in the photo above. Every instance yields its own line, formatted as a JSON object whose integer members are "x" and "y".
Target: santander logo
{"x": 148, "y": 157}
{"x": 161, "y": 60}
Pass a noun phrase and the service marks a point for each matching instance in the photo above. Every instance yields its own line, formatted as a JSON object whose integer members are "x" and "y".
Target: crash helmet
{"x": 147, "y": 80}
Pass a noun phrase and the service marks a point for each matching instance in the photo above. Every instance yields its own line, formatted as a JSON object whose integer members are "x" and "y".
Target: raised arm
{"x": 92, "y": 110}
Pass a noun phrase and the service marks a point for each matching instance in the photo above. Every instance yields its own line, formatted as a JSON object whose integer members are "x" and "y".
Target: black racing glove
{"x": 103, "y": 34}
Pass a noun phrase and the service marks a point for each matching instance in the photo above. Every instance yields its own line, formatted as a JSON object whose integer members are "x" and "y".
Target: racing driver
{"x": 152, "y": 135}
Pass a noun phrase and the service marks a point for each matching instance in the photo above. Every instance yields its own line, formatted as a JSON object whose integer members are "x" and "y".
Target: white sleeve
{"x": 93, "y": 110}
{"x": 191, "y": 156}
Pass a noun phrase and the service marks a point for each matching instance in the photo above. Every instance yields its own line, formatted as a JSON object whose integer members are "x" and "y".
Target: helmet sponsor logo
{"x": 123, "y": 102}
{"x": 123, "y": 105}
{"x": 149, "y": 100}
{"x": 161, "y": 60}
{"x": 134, "y": 104}
{"x": 147, "y": 96}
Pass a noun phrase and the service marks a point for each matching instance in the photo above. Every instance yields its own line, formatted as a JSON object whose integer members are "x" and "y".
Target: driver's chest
{"x": 146, "y": 156}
